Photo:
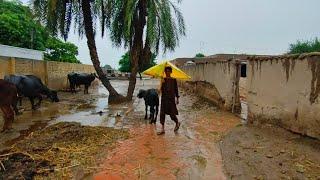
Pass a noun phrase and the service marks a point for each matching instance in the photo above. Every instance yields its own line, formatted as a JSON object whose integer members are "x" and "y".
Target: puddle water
{"x": 71, "y": 108}
{"x": 188, "y": 154}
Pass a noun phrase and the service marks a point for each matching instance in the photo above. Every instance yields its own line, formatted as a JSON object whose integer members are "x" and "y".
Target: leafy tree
{"x": 18, "y": 28}
{"x": 57, "y": 16}
{"x": 199, "y": 55}
{"x": 160, "y": 20}
{"x": 305, "y": 46}
{"x": 57, "y": 50}
{"x": 125, "y": 65}
{"x": 141, "y": 26}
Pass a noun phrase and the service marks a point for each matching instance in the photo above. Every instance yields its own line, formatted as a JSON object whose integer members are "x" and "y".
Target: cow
{"x": 151, "y": 98}
{"x": 8, "y": 103}
{"x": 32, "y": 87}
{"x": 78, "y": 79}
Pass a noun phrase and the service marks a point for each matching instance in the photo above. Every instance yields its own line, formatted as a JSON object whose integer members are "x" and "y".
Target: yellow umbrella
{"x": 157, "y": 71}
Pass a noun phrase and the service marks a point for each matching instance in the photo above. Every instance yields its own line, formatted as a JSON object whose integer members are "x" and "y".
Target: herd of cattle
{"x": 14, "y": 87}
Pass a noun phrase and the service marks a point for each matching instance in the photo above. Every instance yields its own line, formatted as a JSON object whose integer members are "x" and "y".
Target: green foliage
{"x": 58, "y": 50}
{"x": 57, "y": 15}
{"x": 125, "y": 65}
{"x": 164, "y": 23}
{"x": 199, "y": 55}
{"x": 17, "y": 28}
{"x": 305, "y": 46}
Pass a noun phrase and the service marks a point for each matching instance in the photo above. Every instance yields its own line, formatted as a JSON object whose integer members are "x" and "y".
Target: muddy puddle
{"x": 91, "y": 110}
{"x": 187, "y": 154}
{"x": 191, "y": 153}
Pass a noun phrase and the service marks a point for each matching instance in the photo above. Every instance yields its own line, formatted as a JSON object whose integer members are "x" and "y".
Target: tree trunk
{"x": 134, "y": 58}
{"x": 114, "y": 97}
{"x": 137, "y": 45}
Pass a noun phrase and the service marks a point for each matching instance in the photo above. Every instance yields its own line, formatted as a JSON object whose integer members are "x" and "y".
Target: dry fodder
{"x": 62, "y": 148}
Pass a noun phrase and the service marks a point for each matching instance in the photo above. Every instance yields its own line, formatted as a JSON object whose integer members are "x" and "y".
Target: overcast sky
{"x": 230, "y": 26}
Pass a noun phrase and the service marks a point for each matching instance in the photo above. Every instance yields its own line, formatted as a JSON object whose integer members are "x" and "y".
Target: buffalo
{"x": 8, "y": 102}
{"x": 151, "y": 98}
{"x": 78, "y": 79}
{"x": 32, "y": 87}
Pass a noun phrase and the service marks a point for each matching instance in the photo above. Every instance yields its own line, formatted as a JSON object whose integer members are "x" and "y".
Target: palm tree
{"x": 57, "y": 15}
{"x": 142, "y": 26}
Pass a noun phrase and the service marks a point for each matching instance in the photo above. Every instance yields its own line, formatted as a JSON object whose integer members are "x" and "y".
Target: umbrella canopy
{"x": 157, "y": 71}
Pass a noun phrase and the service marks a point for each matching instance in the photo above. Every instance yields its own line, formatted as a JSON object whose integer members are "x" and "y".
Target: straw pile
{"x": 60, "y": 151}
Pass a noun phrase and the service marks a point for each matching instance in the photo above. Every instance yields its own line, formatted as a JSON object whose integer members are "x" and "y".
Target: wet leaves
{"x": 269, "y": 156}
{"x": 200, "y": 161}
{"x": 85, "y": 106}
{"x": 300, "y": 168}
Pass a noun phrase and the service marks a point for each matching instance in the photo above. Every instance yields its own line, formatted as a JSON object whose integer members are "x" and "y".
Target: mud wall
{"x": 216, "y": 81}
{"x": 284, "y": 90}
{"x": 53, "y": 74}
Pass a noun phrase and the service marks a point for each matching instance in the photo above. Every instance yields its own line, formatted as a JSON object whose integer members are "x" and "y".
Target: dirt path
{"x": 189, "y": 154}
{"x": 269, "y": 152}
{"x": 210, "y": 144}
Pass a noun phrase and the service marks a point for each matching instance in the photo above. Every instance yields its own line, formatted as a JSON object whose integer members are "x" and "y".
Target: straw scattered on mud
{"x": 60, "y": 150}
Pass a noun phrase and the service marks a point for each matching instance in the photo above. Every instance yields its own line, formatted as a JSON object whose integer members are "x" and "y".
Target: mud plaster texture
{"x": 284, "y": 90}
{"x": 217, "y": 81}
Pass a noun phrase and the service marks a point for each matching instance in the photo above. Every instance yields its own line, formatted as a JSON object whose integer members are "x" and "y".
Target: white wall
{"x": 10, "y": 51}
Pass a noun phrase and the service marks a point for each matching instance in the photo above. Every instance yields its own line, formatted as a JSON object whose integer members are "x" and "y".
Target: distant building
{"x": 224, "y": 57}
{"x": 181, "y": 61}
{"x": 111, "y": 72}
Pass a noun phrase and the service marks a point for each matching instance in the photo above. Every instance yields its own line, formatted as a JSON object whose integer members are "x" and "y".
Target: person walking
{"x": 169, "y": 100}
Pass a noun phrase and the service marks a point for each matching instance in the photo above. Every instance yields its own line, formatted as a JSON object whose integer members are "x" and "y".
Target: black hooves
{"x": 153, "y": 121}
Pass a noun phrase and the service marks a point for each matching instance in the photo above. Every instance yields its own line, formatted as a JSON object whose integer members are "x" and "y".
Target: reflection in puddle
{"x": 74, "y": 108}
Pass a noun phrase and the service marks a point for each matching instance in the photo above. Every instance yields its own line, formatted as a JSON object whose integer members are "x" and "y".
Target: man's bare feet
{"x": 161, "y": 133}
{"x": 177, "y": 127}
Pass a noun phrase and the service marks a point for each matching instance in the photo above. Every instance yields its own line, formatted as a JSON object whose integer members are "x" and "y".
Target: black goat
{"x": 151, "y": 98}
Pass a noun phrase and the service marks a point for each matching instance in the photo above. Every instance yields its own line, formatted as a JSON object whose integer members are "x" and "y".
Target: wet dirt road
{"x": 189, "y": 154}
{"x": 211, "y": 144}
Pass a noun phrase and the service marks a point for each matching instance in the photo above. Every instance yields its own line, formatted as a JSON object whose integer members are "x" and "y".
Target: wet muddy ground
{"x": 268, "y": 152}
{"x": 206, "y": 146}
{"x": 190, "y": 153}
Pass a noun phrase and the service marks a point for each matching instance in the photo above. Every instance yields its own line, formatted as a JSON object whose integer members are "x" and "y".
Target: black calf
{"x": 151, "y": 98}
